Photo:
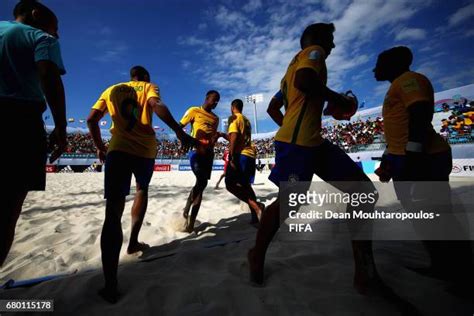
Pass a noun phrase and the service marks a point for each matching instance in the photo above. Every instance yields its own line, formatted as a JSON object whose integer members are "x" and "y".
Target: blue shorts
{"x": 119, "y": 167}
{"x": 327, "y": 161}
{"x": 201, "y": 164}
{"x": 246, "y": 173}
{"x": 437, "y": 168}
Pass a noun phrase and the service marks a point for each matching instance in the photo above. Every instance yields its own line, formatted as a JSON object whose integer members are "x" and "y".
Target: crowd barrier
{"x": 461, "y": 167}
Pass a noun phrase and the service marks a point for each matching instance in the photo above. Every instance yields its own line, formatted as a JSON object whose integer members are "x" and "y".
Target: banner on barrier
{"x": 162, "y": 167}
{"x": 188, "y": 167}
{"x": 184, "y": 168}
{"x": 50, "y": 168}
{"x": 463, "y": 167}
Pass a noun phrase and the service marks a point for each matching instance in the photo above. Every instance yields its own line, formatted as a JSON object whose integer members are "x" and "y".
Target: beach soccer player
{"x": 132, "y": 150}
{"x": 30, "y": 78}
{"x": 416, "y": 153}
{"x": 241, "y": 170}
{"x": 225, "y": 157}
{"x": 204, "y": 125}
{"x": 301, "y": 151}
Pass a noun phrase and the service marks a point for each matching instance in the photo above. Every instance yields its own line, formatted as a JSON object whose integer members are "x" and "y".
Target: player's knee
{"x": 229, "y": 183}
{"x": 141, "y": 189}
{"x": 201, "y": 185}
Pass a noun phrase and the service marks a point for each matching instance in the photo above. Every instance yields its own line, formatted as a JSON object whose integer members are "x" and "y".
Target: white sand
{"x": 203, "y": 273}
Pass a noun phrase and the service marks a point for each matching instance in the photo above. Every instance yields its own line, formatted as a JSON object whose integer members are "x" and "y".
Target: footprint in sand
{"x": 63, "y": 228}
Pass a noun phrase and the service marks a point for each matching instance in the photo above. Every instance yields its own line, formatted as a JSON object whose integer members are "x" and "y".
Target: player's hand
{"x": 384, "y": 171}
{"x": 102, "y": 153}
{"x": 234, "y": 162}
{"x": 214, "y": 138}
{"x": 341, "y": 100}
{"x": 57, "y": 143}
{"x": 187, "y": 141}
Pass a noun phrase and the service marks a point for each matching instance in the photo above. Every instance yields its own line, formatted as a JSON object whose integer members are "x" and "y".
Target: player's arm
{"x": 53, "y": 89}
{"x": 165, "y": 115}
{"x": 232, "y": 145}
{"x": 308, "y": 81}
{"x": 93, "y": 124}
{"x": 274, "y": 108}
{"x": 419, "y": 124}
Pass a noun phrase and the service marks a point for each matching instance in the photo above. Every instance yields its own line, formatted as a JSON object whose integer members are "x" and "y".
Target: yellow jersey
{"x": 239, "y": 124}
{"x": 302, "y": 119}
{"x": 406, "y": 90}
{"x": 132, "y": 130}
{"x": 203, "y": 124}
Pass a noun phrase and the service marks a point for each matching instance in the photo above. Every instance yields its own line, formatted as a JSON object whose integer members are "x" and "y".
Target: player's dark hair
{"x": 24, "y": 8}
{"x": 315, "y": 32}
{"x": 139, "y": 72}
{"x": 238, "y": 104}
{"x": 401, "y": 56}
{"x": 213, "y": 92}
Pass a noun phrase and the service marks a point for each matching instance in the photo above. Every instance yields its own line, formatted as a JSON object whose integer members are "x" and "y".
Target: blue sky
{"x": 244, "y": 47}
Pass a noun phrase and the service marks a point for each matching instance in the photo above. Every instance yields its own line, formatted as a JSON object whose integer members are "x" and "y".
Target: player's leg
{"x": 30, "y": 175}
{"x": 197, "y": 192}
{"x": 8, "y": 219}
{"x": 269, "y": 224}
{"x": 290, "y": 162}
{"x": 334, "y": 166}
{"x": 238, "y": 183}
{"x": 118, "y": 173}
{"x": 202, "y": 168}
{"x": 143, "y": 171}
{"x": 220, "y": 179}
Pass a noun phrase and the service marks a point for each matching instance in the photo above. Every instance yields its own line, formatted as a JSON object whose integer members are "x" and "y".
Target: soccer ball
{"x": 343, "y": 111}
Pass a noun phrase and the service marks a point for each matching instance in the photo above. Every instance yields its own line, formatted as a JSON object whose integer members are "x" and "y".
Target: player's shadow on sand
{"x": 206, "y": 235}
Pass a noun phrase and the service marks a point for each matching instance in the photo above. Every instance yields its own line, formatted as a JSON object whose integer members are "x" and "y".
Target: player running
{"x": 415, "y": 152}
{"x": 132, "y": 150}
{"x": 301, "y": 151}
{"x": 204, "y": 125}
{"x": 225, "y": 157}
{"x": 241, "y": 170}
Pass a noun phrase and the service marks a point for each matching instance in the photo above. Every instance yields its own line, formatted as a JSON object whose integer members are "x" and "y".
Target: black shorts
{"x": 23, "y": 139}
{"x": 201, "y": 165}
{"x": 245, "y": 173}
{"x": 119, "y": 167}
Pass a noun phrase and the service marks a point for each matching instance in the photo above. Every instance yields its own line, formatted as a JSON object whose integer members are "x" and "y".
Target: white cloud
{"x": 110, "y": 51}
{"x": 457, "y": 78}
{"x": 410, "y": 34}
{"x": 252, "y": 6}
{"x": 469, "y": 33}
{"x": 461, "y": 15}
{"x": 251, "y": 56}
{"x": 429, "y": 68}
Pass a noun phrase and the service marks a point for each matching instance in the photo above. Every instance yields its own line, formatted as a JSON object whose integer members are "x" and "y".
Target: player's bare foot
{"x": 136, "y": 247}
{"x": 255, "y": 268}
{"x": 189, "y": 225}
{"x": 256, "y": 216}
{"x": 110, "y": 295}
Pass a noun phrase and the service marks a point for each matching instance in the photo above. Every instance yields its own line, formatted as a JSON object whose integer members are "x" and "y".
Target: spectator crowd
{"x": 349, "y": 136}
{"x": 460, "y": 123}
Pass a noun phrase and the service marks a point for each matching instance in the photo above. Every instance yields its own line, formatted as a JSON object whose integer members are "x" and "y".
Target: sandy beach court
{"x": 203, "y": 273}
